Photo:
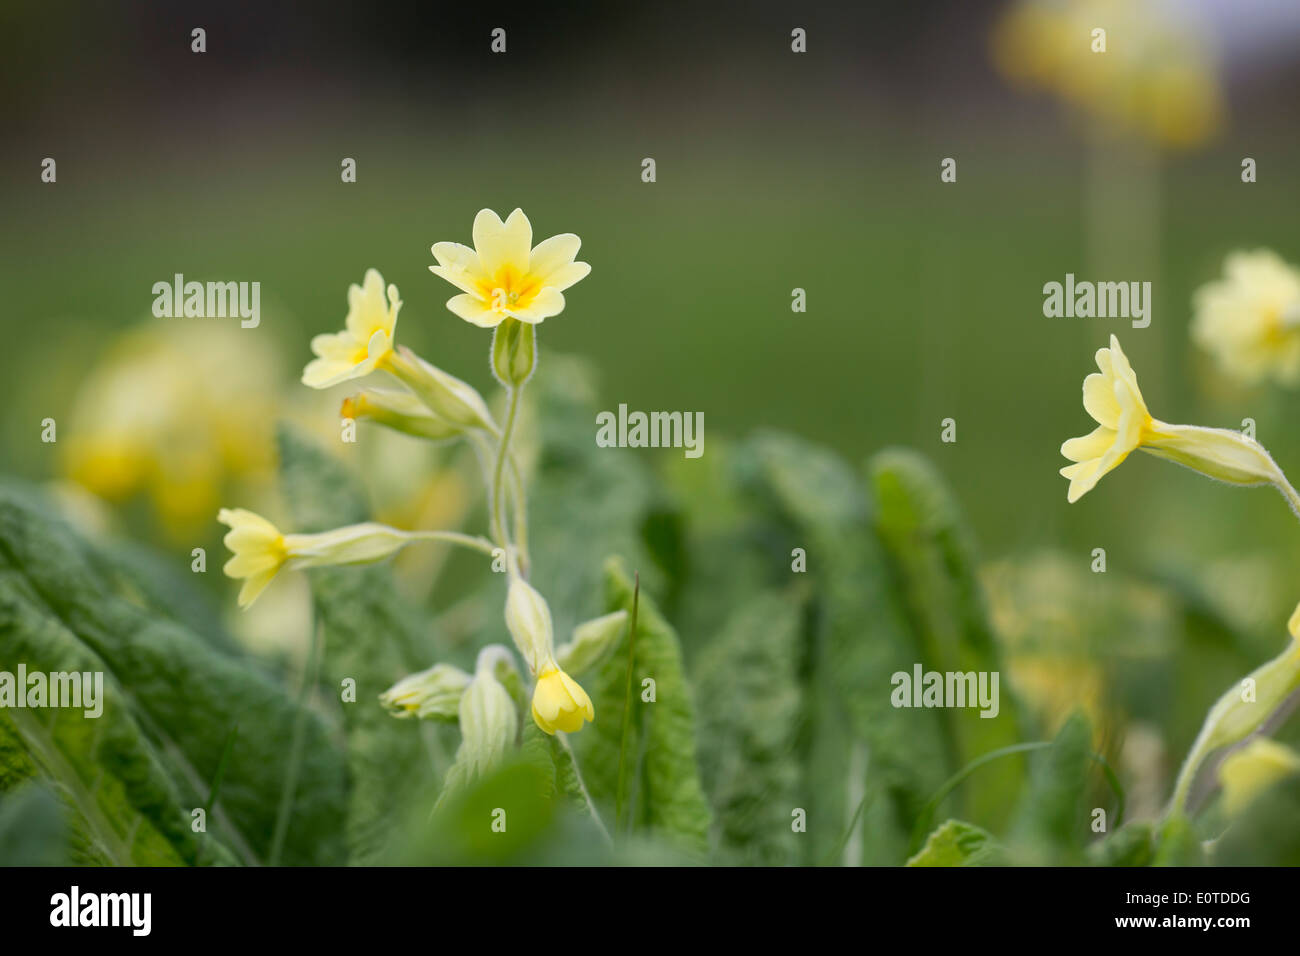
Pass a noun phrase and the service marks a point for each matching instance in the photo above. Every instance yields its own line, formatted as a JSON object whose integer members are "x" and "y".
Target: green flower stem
{"x": 498, "y": 473}
{"x": 521, "y": 515}
{"x": 477, "y": 542}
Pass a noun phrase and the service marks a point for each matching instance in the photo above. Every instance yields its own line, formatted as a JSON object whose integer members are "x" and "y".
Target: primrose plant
{"x": 511, "y": 286}
{"x": 1124, "y": 425}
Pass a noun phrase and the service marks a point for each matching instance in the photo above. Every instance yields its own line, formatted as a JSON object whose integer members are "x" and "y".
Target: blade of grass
{"x": 620, "y": 795}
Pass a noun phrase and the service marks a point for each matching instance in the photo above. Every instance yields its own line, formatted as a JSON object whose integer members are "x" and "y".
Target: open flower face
{"x": 1250, "y": 319}
{"x": 366, "y": 340}
{"x": 1113, "y": 399}
{"x": 504, "y": 275}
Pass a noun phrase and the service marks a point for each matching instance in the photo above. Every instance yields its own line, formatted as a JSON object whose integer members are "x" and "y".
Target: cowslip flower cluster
{"x": 511, "y": 286}
{"x": 1124, "y": 424}
{"x": 1158, "y": 75}
{"x": 1249, "y": 320}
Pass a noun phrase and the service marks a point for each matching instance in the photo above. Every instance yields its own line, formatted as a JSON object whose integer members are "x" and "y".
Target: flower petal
{"x": 473, "y": 310}
{"x": 1099, "y": 400}
{"x": 459, "y": 265}
{"x": 566, "y": 276}
{"x": 502, "y": 243}
{"x": 546, "y": 303}
{"x": 553, "y": 253}
{"x": 1092, "y": 445}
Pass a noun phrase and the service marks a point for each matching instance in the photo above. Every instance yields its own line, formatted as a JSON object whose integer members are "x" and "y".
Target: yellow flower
{"x": 559, "y": 702}
{"x": 1113, "y": 399}
{"x": 261, "y": 550}
{"x": 1250, "y": 319}
{"x": 366, "y": 340}
{"x": 1248, "y": 772}
{"x": 504, "y": 275}
{"x": 1115, "y": 402}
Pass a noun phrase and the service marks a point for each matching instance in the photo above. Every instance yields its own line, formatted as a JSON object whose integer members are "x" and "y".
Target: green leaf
{"x": 1051, "y": 822}
{"x": 171, "y": 699}
{"x": 750, "y": 719}
{"x": 584, "y": 502}
{"x": 937, "y": 570}
{"x": 370, "y": 637}
{"x": 954, "y": 843}
{"x": 859, "y": 639}
{"x": 667, "y": 799}
{"x": 32, "y": 830}
{"x": 1130, "y": 845}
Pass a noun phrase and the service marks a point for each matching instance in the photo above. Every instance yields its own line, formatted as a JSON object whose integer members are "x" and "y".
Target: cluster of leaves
{"x": 748, "y": 720}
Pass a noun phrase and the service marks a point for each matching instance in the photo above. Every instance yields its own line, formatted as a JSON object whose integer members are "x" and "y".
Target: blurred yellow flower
{"x": 1248, "y": 772}
{"x": 366, "y": 340}
{"x": 1250, "y": 319}
{"x": 559, "y": 702}
{"x": 1158, "y": 74}
{"x": 1113, "y": 399}
{"x": 504, "y": 275}
{"x": 179, "y": 412}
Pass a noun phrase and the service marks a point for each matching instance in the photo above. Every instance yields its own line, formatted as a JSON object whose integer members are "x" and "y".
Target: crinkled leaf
{"x": 171, "y": 700}
{"x": 750, "y": 719}
{"x": 954, "y": 843}
{"x": 370, "y": 637}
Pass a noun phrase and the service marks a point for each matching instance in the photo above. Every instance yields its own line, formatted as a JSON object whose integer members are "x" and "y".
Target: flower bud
{"x": 1241, "y": 711}
{"x": 400, "y": 411}
{"x": 591, "y": 642}
{"x": 488, "y": 721}
{"x": 529, "y": 620}
{"x": 445, "y": 395}
{"x": 432, "y": 694}
{"x": 489, "y": 724}
{"x": 559, "y": 702}
{"x": 1248, "y": 772}
{"x": 514, "y": 352}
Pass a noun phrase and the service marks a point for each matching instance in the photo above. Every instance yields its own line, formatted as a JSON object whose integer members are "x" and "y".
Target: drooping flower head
{"x": 1115, "y": 402}
{"x": 505, "y": 275}
{"x": 1249, "y": 320}
{"x": 559, "y": 702}
{"x": 366, "y": 340}
{"x": 1113, "y": 399}
{"x": 261, "y": 550}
